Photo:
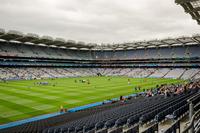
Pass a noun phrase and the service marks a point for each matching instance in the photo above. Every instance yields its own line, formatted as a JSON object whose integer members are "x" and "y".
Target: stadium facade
{"x": 171, "y": 57}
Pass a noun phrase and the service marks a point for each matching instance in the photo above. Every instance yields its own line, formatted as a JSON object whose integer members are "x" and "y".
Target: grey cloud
{"x": 98, "y": 21}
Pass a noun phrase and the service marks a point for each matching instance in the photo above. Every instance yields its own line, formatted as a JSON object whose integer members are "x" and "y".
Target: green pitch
{"x": 24, "y": 99}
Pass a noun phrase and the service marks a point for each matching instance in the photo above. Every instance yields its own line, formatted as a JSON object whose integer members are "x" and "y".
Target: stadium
{"x": 53, "y": 85}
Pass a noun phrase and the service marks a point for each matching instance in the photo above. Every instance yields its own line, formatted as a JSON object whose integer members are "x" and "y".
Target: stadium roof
{"x": 192, "y": 7}
{"x": 34, "y": 39}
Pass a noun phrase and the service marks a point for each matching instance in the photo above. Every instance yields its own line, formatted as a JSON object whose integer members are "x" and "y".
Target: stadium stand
{"x": 118, "y": 116}
{"x": 32, "y": 57}
{"x": 41, "y": 73}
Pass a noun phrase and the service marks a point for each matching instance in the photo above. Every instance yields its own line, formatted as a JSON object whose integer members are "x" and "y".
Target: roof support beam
{"x": 192, "y": 7}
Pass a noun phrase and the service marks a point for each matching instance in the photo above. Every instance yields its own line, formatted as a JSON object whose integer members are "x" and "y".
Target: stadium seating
{"x": 38, "y": 73}
{"x": 108, "y": 116}
{"x": 21, "y": 50}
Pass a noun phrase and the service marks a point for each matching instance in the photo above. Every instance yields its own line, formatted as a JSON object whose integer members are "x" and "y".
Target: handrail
{"x": 198, "y": 104}
{"x": 192, "y": 121}
{"x": 197, "y": 125}
{"x": 194, "y": 97}
{"x": 198, "y": 130}
{"x": 152, "y": 128}
{"x": 174, "y": 126}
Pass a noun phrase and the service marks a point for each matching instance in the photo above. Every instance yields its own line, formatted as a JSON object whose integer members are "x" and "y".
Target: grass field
{"x": 24, "y": 99}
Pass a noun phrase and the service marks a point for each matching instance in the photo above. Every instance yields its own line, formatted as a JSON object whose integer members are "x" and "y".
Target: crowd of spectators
{"x": 7, "y": 73}
{"x": 173, "y": 89}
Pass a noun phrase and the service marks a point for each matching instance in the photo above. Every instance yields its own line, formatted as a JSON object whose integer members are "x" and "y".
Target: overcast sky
{"x": 98, "y": 21}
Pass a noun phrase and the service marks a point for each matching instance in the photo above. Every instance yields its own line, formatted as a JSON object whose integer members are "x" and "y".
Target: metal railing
{"x": 175, "y": 126}
{"x": 195, "y": 127}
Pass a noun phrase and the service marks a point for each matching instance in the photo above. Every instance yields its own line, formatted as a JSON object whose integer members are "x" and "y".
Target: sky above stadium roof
{"x": 97, "y": 21}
